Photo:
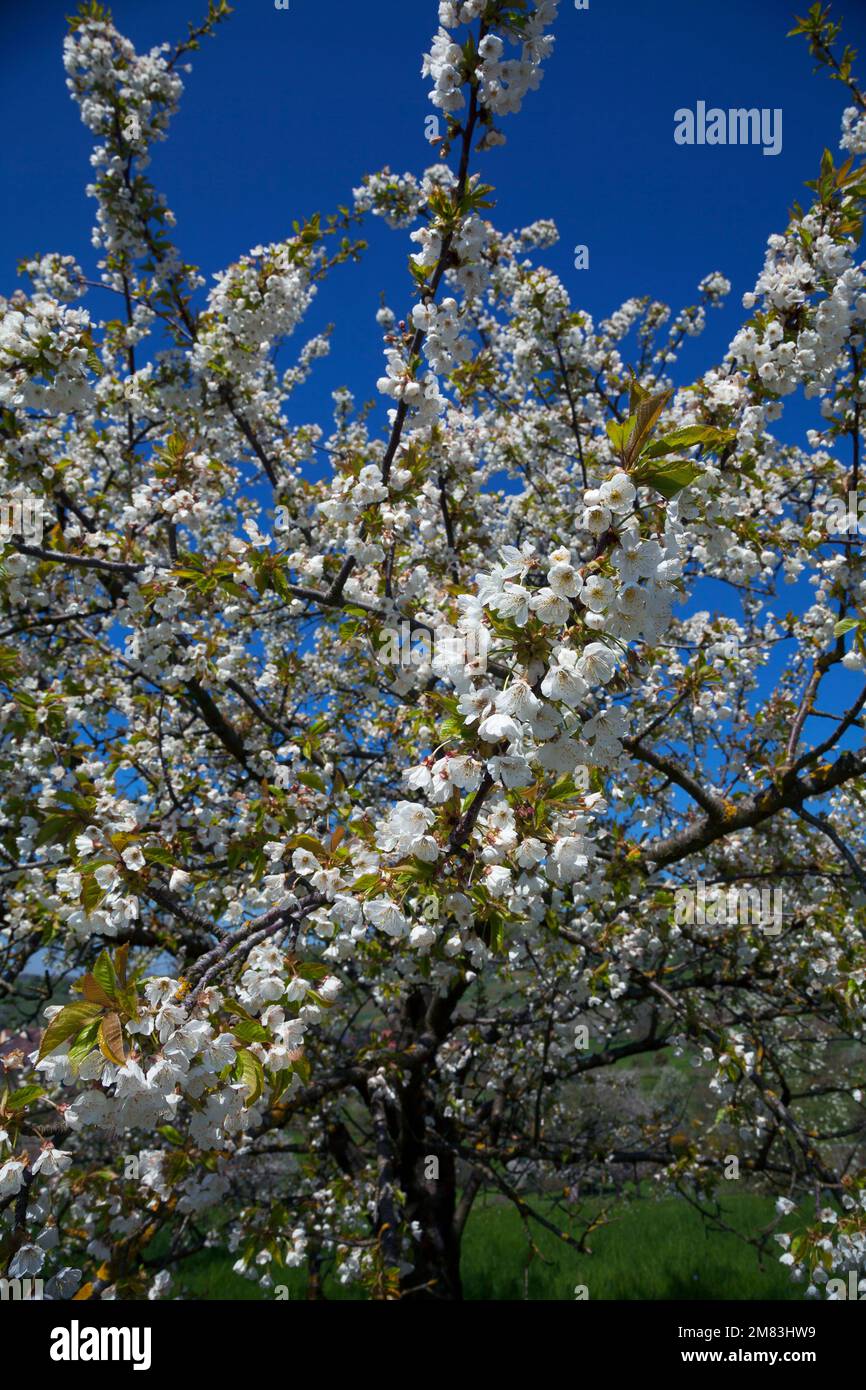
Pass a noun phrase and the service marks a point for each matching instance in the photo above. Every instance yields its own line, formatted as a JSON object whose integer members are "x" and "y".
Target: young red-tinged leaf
{"x": 120, "y": 962}
{"x": 337, "y": 836}
{"x": 647, "y": 415}
{"x": 90, "y": 987}
{"x": 111, "y": 1039}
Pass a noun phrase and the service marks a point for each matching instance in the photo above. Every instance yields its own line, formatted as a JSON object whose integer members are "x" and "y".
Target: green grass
{"x": 651, "y": 1251}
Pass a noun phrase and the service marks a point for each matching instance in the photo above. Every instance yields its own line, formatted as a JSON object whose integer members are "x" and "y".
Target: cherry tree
{"x": 361, "y": 837}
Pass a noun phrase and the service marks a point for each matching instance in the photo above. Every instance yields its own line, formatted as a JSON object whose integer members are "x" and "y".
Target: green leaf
{"x": 496, "y": 930}
{"x": 22, "y": 1098}
{"x": 668, "y": 478}
{"x": 249, "y": 1031}
{"x": 301, "y": 1067}
{"x": 56, "y": 829}
{"x": 157, "y": 854}
{"x": 171, "y": 1134}
{"x": 846, "y": 625}
{"x": 84, "y": 1043}
{"x": 249, "y": 1071}
{"x": 230, "y": 1006}
{"x": 368, "y": 883}
{"x": 69, "y": 1021}
{"x": 237, "y": 854}
{"x": 618, "y": 434}
{"x": 313, "y": 970}
{"x": 707, "y": 435}
{"x": 309, "y": 842}
{"x": 104, "y": 975}
{"x": 281, "y": 1081}
{"x": 236, "y": 591}
{"x": 311, "y": 779}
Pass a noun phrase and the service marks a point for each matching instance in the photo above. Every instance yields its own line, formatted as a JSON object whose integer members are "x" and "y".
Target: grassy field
{"x": 651, "y": 1251}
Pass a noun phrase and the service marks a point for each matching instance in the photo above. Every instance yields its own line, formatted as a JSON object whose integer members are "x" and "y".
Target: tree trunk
{"x": 429, "y": 1180}
{"x": 436, "y": 1251}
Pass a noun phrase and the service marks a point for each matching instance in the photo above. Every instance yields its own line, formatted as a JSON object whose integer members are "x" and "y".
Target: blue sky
{"x": 286, "y": 110}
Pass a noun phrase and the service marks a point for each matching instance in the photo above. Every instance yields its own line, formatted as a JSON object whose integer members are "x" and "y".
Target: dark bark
{"x": 428, "y": 1178}
{"x": 427, "y": 1168}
